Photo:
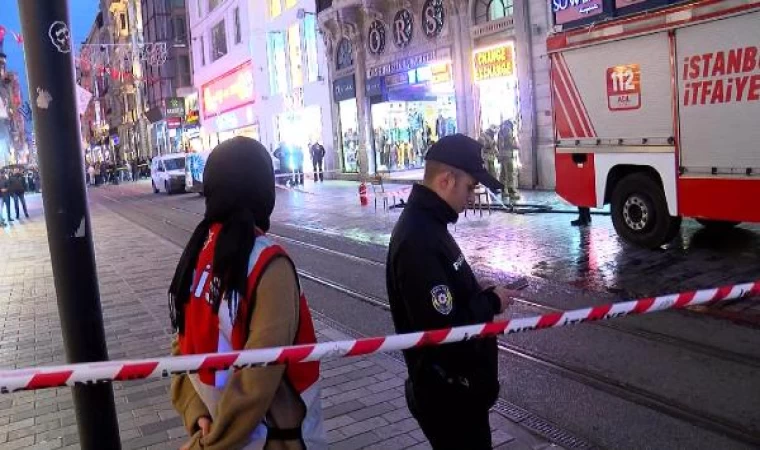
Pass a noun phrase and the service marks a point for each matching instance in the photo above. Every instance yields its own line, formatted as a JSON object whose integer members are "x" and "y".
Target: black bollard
{"x": 50, "y": 71}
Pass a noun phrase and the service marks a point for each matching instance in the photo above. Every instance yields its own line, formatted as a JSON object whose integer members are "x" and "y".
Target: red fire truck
{"x": 658, "y": 114}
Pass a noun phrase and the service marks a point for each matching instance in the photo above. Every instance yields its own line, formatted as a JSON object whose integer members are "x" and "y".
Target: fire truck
{"x": 658, "y": 115}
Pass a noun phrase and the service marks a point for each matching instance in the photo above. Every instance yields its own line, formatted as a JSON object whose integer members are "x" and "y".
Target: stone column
{"x": 366, "y": 163}
{"x": 459, "y": 28}
{"x": 527, "y": 133}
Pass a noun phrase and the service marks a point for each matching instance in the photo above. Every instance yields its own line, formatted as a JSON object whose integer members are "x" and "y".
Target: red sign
{"x": 228, "y": 91}
{"x": 566, "y": 11}
{"x": 173, "y": 122}
{"x": 624, "y": 3}
{"x": 624, "y": 87}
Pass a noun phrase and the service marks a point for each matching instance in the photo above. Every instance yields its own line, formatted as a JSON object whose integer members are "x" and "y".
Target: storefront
{"x": 227, "y": 107}
{"x": 413, "y": 104}
{"x": 344, "y": 95}
{"x": 496, "y": 90}
{"x": 299, "y": 126}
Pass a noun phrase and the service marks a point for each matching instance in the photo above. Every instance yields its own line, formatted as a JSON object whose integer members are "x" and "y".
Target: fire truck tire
{"x": 640, "y": 212}
{"x": 717, "y": 225}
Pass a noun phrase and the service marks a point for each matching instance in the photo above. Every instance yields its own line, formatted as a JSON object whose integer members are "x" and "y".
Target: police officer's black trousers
{"x": 451, "y": 427}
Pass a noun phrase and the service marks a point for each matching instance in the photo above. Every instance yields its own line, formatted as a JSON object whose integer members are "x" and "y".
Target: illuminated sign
{"x": 175, "y": 107}
{"x": 566, "y": 11}
{"x": 229, "y": 91}
{"x": 497, "y": 62}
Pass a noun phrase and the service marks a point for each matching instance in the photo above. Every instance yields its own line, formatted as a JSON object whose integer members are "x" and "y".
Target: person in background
{"x": 452, "y": 387}
{"x": 317, "y": 157}
{"x": 235, "y": 289}
{"x": 17, "y": 187}
{"x": 297, "y": 155}
{"x": 5, "y": 193}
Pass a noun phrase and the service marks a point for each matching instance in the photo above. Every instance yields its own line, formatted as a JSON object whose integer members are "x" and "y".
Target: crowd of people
{"x": 107, "y": 172}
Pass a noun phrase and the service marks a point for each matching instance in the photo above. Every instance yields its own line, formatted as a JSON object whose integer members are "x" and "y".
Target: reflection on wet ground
{"x": 545, "y": 245}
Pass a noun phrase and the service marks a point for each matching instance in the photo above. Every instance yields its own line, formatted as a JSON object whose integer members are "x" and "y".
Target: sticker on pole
{"x": 624, "y": 87}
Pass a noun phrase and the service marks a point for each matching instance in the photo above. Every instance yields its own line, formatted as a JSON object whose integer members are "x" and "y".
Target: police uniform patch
{"x": 443, "y": 302}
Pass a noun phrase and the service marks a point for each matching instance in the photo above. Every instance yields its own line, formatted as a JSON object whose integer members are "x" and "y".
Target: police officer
{"x": 430, "y": 285}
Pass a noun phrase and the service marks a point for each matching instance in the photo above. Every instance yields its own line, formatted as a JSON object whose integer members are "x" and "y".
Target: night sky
{"x": 82, "y": 12}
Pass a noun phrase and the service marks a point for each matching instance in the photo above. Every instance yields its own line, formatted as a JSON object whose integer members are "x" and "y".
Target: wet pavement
{"x": 544, "y": 245}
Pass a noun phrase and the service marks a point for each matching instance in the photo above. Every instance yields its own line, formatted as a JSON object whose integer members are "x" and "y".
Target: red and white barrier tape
{"x": 88, "y": 373}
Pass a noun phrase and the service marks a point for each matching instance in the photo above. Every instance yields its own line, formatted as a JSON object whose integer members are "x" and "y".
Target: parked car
{"x": 168, "y": 173}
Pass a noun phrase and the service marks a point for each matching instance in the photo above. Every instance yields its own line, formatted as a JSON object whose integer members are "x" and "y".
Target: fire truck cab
{"x": 658, "y": 114}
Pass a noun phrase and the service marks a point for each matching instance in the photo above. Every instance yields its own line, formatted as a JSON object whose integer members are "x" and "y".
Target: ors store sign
{"x": 229, "y": 91}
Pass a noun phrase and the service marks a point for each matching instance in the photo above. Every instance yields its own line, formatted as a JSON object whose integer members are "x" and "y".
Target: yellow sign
{"x": 496, "y": 62}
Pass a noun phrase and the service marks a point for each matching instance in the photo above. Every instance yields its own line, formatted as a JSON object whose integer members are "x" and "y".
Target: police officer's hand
{"x": 505, "y": 297}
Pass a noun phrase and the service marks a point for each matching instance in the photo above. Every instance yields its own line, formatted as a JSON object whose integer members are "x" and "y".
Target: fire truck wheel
{"x": 640, "y": 212}
{"x": 717, "y": 225}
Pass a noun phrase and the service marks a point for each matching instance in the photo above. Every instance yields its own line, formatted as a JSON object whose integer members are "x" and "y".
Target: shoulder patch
{"x": 443, "y": 302}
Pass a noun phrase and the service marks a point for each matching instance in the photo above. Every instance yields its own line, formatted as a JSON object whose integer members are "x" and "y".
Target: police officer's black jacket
{"x": 430, "y": 286}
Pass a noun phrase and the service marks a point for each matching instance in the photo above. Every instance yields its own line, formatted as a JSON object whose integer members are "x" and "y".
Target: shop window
{"x": 212, "y": 4}
{"x": 296, "y": 55}
{"x": 278, "y": 74}
{"x": 310, "y": 36}
{"x": 218, "y": 41}
{"x": 183, "y": 67}
{"x": 180, "y": 29}
{"x": 488, "y": 10}
{"x": 275, "y": 8}
{"x": 238, "y": 31}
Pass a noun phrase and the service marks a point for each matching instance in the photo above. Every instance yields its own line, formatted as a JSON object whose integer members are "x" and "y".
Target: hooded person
{"x": 235, "y": 289}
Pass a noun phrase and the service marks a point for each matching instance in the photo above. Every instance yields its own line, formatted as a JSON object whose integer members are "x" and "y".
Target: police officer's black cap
{"x": 463, "y": 152}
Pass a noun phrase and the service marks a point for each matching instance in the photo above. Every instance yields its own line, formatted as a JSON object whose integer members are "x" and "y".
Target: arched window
{"x": 488, "y": 10}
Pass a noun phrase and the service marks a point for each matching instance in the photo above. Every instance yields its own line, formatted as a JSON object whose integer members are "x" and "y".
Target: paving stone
{"x": 356, "y": 442}
{"x": 341, "y": 409}
{"x": 372, "y": 411}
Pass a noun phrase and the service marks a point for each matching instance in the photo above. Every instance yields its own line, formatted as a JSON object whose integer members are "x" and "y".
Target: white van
{"x": 168, "y": 173}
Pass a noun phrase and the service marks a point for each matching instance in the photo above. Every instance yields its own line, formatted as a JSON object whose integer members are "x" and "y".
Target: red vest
{"x": 206, "y": 332}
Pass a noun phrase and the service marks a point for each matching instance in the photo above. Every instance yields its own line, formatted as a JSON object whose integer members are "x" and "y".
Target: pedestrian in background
{"x": 17, "y": 187}
{"x": 430, "y": 285}
{"x": 235, "y": 289}
{"x": 317, "y": 157}
{"x": 5, "y": 193}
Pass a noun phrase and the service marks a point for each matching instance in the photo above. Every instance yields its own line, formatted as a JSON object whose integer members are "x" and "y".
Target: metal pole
{"x": 50, "y": 69}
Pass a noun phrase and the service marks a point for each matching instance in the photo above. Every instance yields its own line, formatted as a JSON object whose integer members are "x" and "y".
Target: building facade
{"x": 293, "y": 95}
{"x": 406, "y": 73}
{"x": 223, "y": 71}
{"x": 166, "y": 85}
{"x": 124, "y": 105}
{"x": 257, "y": 67}
{"x": 13, "y": 143}
{"x": 93, "y": 76}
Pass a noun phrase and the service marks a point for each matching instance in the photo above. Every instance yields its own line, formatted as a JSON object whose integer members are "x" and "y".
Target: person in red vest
{"x": 235, "y": 289}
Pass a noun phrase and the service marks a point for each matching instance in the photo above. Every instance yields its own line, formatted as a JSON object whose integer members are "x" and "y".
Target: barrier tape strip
{"x": 90, "y": 373}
